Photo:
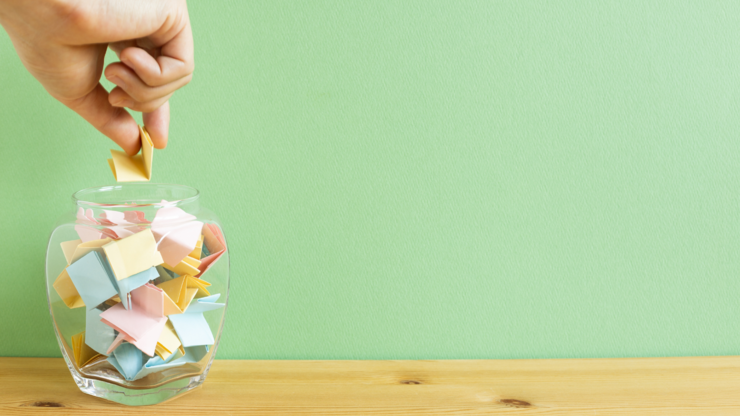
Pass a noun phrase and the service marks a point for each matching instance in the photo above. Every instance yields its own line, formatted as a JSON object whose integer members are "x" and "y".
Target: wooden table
{"x": 643, "y": 386}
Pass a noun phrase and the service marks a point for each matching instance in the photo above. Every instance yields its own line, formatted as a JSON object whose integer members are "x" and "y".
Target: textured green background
{"x": 421, "y": 180}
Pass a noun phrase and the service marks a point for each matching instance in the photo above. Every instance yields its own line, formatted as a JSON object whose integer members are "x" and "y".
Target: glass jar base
{"x": 138, "y": 397}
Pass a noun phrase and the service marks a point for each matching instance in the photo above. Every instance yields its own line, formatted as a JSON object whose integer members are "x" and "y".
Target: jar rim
{"x": 136, "y": 194}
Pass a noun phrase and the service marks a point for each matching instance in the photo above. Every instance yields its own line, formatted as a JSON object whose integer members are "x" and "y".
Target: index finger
{"x": 113, "y": 122}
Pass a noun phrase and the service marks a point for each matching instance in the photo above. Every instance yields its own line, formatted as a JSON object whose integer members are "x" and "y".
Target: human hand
{"x": 62, "y": 43}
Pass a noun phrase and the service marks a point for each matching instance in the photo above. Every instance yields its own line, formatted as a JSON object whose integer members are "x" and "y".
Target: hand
{"x": 63, "y": 44}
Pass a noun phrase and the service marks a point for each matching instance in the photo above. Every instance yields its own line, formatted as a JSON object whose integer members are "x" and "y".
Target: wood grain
{"x": 642, "y": 386}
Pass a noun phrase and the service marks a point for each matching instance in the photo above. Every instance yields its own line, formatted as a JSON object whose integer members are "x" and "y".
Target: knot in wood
{"x": 515, "y": 403}
{"x": 410, "y": 382}
{"x": 46, "y": 404}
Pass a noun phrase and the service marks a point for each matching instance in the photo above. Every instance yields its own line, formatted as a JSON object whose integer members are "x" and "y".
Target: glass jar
{"x": 137, "y": 278}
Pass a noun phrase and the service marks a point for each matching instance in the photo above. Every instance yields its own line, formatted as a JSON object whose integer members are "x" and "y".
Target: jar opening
{"x": 137, "y": 194}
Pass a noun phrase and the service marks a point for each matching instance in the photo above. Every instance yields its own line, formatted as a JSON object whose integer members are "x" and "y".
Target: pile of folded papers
{"x": 142, "y": 289}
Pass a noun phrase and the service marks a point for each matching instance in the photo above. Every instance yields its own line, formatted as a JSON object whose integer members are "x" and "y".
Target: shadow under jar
{"x": 137, "y": 278}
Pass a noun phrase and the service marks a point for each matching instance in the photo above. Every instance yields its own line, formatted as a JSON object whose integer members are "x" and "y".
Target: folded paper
{"x": 168, "y": 342}
{"x": 88, "y": 246}
{"x": 192, "y": 329}
{"x": 191, "y": 326}
{"x": 137, "y": 168}
{"x": 198, "y": 250}
{"x": 215, "y": 244}
{"x": 128, "y": 360}
{"x": 205, "y": 304}
{"x": 164, "y": 275}
{"x": 68, "y": 248}
{"x": 66, "y": 289}
{"x": 169, "y": 217}
{"x": 95, "y": 269}
{"x": 132, "y": 254}
{"x": 188, "y": 265}
{"x": 85, "y": 226}
{"x": 180, "y": 291}
{"x": 91, "y": 278}
{"x": 130, "y": 283}
{"x": 120, "y": 339}
{"x": 116, "y": 222}
{"x": 135, "y": 217}
{"x": 83, "y": 354}
{"x": 98, "y": 335}
{"x": 142, "y": 323}
{"x": 156, "y": 364}
{"x": 177, "y": 233}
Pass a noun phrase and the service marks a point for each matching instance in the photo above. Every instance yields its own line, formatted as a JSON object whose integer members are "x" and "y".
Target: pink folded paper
{"x": 176, "y": 232}
{"x": 216, "y": 245}
{"x": 119, "y": 223}
{"x": 135, "y": 217}
{"x": 142, "y": 324}
{"x": 84, "y": 227}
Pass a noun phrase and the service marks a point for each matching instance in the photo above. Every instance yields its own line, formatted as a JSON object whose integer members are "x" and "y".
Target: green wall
{"x": 430, "y": 179}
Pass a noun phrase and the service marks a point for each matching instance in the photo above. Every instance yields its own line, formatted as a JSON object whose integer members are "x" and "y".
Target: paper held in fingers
{"x": 137, "y": 168}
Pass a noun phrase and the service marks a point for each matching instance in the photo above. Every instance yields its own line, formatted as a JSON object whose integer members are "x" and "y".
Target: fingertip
{"x": 157, "y": 123}
{"x": 115, "y": 70}
{"x": 127, "y": 136}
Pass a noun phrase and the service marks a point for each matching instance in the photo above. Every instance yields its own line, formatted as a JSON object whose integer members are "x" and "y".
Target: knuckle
{"x": 146, "y": 107}
{"x": 152, "y": 80}
{"x": 142, "y": 95}
{"x": 74, "y": 14}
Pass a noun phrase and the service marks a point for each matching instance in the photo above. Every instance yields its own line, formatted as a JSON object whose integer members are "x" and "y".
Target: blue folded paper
{"x": 191, "y": 326}
{"x": 95, "y": 282}
{"x": 90, "y": 275}
{"x": 127, "y": 359}
{"x": 134, "y": 365}
{"x": 98, "y": 335}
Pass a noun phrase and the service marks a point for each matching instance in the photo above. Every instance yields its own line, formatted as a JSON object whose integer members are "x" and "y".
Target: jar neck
{"x": 143, "y": 197}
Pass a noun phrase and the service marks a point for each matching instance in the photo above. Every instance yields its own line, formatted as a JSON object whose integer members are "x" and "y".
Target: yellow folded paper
{"x": 201, "y": 285}
{"x": 84, "y": 248}
{"x": 188, "y": 265}
{"x": 132, "y": 254}
{"x": 68, "y": 248}
{"x": 137, "y": 168}
{"x": 198, "y": 250}
{"x": 82, "y": 352}
{"x": 67, "y": 291}
{"x": 179, "y": 292}
{"x": 168, "y": 342}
